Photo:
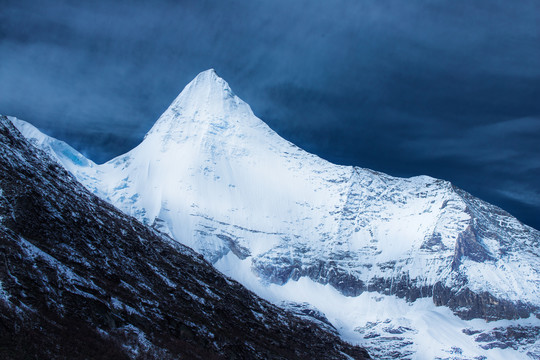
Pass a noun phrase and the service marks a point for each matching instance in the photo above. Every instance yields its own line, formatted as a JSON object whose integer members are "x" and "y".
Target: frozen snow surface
{"x": 374, "y": 253}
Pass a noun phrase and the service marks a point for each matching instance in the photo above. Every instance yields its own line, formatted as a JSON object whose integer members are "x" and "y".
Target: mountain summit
{"x": 206, "y": 104}
{"x": 423, "y": 255}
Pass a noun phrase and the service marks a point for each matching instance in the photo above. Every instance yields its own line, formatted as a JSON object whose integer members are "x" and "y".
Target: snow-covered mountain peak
{"x": 216, "y": 178}
{"x": 207, "y": 87}
{"x": 206, "y": 105}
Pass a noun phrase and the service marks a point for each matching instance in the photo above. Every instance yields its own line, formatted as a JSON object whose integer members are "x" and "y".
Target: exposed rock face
{"x": 468, "y": 245}
{"x": 508, "y": 337}
{"x": 321, "y": 271}
{"x": 469, "y": 305}
{"x": 80, "y": 279}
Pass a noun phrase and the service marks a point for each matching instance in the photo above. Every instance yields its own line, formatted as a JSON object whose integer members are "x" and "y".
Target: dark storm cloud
{"x": 445, "y": 88}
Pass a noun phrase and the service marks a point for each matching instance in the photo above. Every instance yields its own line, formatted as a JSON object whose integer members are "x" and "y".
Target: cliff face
{"x": 80, "y": 279}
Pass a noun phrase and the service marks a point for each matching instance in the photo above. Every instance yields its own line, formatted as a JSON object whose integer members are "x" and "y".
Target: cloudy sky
{"x": 444, "y": 88}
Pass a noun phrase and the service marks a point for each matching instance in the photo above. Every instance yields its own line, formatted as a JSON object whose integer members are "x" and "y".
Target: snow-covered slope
{"x": 215, "y": 177}
{"x": 72, "y": 160}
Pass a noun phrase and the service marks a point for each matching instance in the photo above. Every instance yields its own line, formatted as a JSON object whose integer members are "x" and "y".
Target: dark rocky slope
{"x": 79, "y": 279}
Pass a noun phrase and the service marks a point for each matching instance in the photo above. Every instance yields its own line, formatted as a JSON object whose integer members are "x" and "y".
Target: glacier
{"x": 284, "y": 222}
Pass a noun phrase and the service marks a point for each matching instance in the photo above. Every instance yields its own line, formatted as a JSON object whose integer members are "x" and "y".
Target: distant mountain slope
{"x": 213, "y": 176}
{"x": 80, "y": 279}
